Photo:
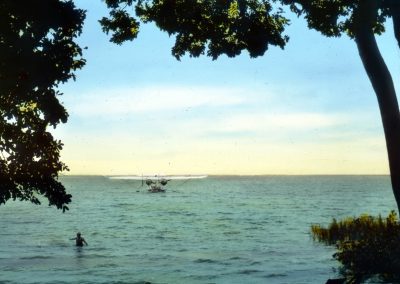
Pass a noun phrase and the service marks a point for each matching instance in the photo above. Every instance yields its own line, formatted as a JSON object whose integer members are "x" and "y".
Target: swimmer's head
{"x": 78, "y": 234}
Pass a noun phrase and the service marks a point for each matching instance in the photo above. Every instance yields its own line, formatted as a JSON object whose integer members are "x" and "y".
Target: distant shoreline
{"x": 223, "y": 175}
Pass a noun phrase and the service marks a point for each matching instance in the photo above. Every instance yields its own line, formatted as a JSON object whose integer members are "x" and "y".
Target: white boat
{"x": 170, "y": 177}
{"x": 157, "y": 183}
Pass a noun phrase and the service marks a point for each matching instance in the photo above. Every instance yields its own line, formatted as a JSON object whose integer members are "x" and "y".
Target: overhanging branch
{"x": 395, "y": 10}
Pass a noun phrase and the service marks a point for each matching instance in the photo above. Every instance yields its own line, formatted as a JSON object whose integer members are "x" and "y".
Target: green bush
{"x": 367, "y": 246}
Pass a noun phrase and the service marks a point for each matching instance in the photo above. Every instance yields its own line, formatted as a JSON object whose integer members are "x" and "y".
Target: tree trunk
{"x": 382, "y": 83}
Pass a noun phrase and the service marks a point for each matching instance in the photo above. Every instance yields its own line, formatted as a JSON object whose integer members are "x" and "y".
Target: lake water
{"x": 212, "y": 230}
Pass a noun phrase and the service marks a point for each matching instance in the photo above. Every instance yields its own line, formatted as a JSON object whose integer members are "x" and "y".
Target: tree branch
{"x": 395, "y": 10}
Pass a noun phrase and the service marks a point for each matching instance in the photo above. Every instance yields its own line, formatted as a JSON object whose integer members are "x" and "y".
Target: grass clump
{"x": 367, "y": 246}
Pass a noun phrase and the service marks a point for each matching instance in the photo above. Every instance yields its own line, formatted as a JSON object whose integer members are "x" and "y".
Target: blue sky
{"x": 308, "y": 109}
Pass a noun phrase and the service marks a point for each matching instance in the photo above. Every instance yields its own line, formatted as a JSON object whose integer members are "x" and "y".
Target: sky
{"x": 308, "y": 109}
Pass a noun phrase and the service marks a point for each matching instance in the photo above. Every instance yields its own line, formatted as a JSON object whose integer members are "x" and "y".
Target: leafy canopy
{"x": 220, "y": 26}
{"x": 37, "y": 53}
{"x": 230, "y": 26}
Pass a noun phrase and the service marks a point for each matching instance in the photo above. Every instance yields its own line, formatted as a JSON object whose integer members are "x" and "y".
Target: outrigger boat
{"x": 157, "y": 186}
{"x": 156, "y": 183}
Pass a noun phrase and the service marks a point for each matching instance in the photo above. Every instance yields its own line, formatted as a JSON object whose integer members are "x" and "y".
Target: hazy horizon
{"x": 215, "y": 175}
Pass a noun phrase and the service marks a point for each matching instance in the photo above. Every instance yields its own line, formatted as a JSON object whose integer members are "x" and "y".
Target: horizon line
{"x": 218, "y": 175}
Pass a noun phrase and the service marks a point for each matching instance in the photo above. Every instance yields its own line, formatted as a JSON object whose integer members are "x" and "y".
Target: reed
{"x": 367, "y": 246}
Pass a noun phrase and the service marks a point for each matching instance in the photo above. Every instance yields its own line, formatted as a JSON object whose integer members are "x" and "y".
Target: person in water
{"x": 79, "y": 241}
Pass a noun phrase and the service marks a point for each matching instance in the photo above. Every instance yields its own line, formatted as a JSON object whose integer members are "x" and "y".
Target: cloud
{"x": 262, "y": 123}
{"x": 148, "y": 99}
{"x": 292, "y": 121}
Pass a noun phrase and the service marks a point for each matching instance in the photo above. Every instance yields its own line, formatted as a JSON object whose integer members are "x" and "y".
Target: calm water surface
{"x": 214, "y": 230}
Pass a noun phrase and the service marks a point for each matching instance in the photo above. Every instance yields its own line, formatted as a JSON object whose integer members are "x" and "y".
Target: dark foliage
{"x": 37, "y": 53}
{"x": 333, "y": 18}
{"x": 230, "y": 26}
{"x": 212, "y": 27}
{"x": 367, "y": 246}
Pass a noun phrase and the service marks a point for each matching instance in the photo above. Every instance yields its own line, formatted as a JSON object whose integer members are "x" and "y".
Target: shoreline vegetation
{"x": 367, "y": 246}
